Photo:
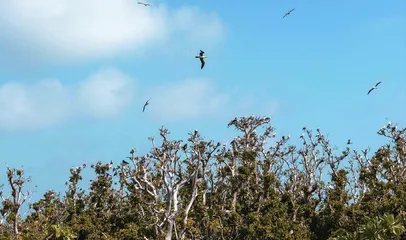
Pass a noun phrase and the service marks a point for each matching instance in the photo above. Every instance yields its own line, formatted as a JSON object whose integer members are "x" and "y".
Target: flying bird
{"x": 145, "y": 4}
{"x": 374, "y": 87}
{"x": 202, "y": 57}
{"x": 146, "y": 103}
{"x": 288, "y": 13}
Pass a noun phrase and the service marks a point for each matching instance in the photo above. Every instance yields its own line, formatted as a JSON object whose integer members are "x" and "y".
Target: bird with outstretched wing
{"x": 145, "y": 4}
{"x": 374, "y": 87}
{"x": 202, "y": 57}
{"x": 146, "y": 103}
{"x": 288, "y": 13}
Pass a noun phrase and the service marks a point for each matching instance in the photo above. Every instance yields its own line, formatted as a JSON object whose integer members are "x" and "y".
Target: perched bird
{"x": 145, "y": 4}
{"x": 374, "y": 87}
{"x": 349, "y": 141}
{"x": 288, "y": 13}
{"x": 125, "y": 162}
{"x": 146, "y": 103}
{"x": 202, "y": 57}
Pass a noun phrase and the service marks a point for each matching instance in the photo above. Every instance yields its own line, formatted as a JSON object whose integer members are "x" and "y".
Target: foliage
{"x": 258, "y": 187}
{"x": 377, "y": 228}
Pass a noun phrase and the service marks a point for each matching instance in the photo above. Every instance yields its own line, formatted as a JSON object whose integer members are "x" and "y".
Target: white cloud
{"x": 83, "y": 29}
{"x": 187, "y": 100}
{"x": 105, "y": 93}
{"x": 34, "y": 106}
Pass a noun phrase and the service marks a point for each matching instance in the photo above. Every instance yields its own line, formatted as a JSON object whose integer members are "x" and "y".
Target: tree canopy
{"x": 258, "y": 187}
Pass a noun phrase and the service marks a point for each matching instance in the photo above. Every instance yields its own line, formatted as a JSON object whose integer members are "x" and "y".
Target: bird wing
{"x": 202, "y": 60}
{"x": 143, "y": 109}
{"x": 285, "y": 15}
{"x": 376, "y": 85}
{"x": 370, "y": 90}
{"x": 291, "y": 10}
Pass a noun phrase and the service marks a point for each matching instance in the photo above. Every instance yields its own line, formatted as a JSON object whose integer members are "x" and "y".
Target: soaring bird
{"x": 288, "y": 13}
{"x": 202, "y": 57}
{"x": 374, "y": 87}
{"x": 146, "y": 103}
{"x": 145, "y": 4}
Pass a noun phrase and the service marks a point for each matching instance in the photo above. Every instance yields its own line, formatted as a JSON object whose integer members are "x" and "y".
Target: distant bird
{"x": 145, "y": 4}
{"x": 146, "y": 103}
{"x": 349, "y": 142}
{"x": 374, "y": 87}
{"x": 288, "y": 13}
{"x": 202, "y": 57}
{"x": 125, "y": 162}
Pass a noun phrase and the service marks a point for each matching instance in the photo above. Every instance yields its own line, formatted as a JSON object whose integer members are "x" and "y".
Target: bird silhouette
{"x": 145, "y": 4}
{"x": 202, "y": 57}
{"x": 374, "y": 87}
{"x": 146, "y": 103}
{"x": 288, "y": 13}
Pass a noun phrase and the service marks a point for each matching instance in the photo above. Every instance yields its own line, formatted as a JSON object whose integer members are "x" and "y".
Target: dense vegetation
{"x": 259, "y": 187}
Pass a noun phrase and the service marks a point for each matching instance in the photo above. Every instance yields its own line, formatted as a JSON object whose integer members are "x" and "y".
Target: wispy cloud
{"x": 105, "y": 93}
{"x": 49, "y": 102}
{"x": 29, "y": 107}
{"x": 185, "y": 100}
{"x": 90, "y": 29}
{"x": 108, "y": 92}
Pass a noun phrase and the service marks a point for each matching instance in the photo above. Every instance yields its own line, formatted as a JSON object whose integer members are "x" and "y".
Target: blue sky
{"x": 75, "y": 74}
